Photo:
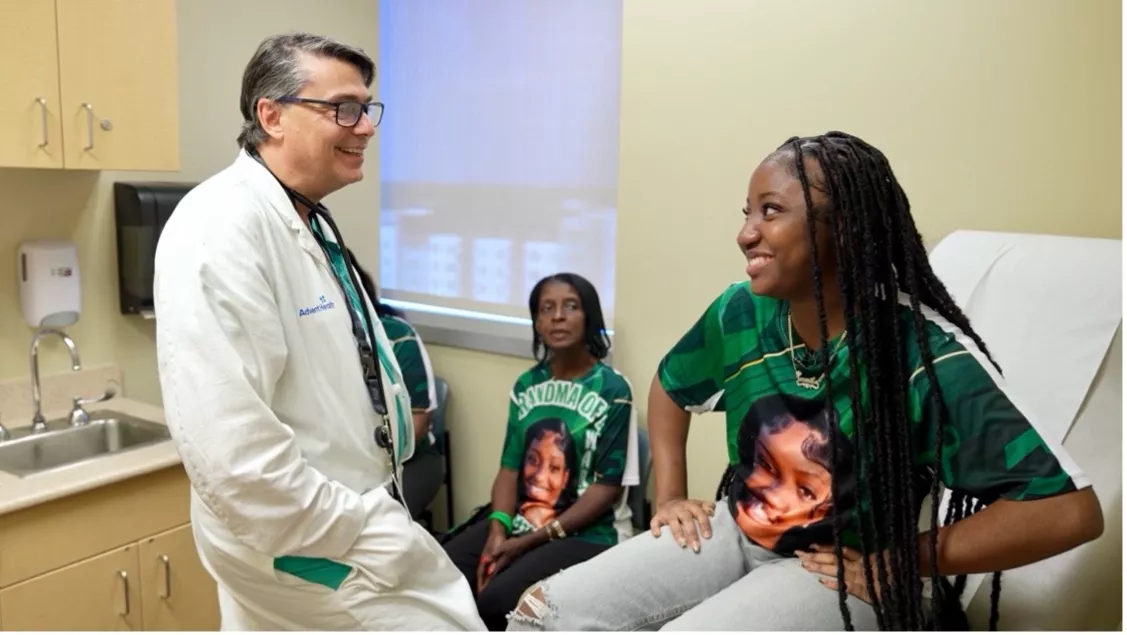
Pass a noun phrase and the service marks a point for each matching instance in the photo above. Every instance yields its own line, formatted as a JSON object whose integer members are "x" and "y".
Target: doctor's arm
{"x": 221, "y": 350}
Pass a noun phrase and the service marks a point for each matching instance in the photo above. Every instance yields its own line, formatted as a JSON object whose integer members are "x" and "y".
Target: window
{"x": 498, "y": 159}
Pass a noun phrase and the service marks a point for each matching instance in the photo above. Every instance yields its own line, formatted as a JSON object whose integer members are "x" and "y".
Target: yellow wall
{"x": 1001, "y": 115}
{"x": 216, "y": 39}
{"x": 996, "y": 115}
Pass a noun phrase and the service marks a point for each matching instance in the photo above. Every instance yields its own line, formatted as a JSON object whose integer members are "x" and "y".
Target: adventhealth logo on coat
{"x": 323, "y": 304}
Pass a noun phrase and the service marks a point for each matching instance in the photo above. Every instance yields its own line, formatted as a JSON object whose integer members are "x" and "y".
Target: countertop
{"x": 19, "y": 493}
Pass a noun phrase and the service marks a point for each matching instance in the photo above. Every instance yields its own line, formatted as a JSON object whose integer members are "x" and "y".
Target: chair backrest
{"x": 438, "y": 416}
{"x": 1049, "y": 310}
{"x": 636, "y": 498}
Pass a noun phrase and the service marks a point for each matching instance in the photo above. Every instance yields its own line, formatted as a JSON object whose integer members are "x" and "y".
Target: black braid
{"x": 842, "y": 594}
{"x": 880, "y": 258}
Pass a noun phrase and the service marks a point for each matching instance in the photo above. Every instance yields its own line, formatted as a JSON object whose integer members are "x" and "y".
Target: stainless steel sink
{"x": 109, "y": 432}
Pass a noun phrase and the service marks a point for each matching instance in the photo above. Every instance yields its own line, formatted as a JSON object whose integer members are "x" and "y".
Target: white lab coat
{"x": 265, "y": 400}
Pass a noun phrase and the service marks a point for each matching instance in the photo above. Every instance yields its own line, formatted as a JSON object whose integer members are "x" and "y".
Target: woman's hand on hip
{"x": 683, "y": 515}
{"x": 823, "y": 562}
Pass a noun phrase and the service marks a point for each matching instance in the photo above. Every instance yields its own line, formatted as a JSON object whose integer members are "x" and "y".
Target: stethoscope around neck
{"x": 369, "y": 360}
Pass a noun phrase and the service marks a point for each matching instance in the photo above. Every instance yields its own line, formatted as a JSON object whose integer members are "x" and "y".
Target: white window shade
{"x": 498, "y": 152}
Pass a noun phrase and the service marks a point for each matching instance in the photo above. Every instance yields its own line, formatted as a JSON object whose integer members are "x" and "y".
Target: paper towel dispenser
{"x": 141, "y": 211}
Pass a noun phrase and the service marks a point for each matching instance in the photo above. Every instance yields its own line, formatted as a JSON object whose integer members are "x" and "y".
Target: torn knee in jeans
{"x": 533, "y": 608}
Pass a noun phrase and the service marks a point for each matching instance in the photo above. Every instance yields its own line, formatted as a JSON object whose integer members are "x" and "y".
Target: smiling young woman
{"x": 564, "y": 461}
{"x": 842, "y": 362}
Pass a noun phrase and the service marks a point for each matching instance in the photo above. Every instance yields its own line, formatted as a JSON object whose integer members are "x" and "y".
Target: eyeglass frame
{"x": 336, "y": 108}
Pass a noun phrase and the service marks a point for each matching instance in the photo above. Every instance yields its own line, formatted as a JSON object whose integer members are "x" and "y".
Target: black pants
{"x": 503, "y": 592}
{"x": 422, "y": 478}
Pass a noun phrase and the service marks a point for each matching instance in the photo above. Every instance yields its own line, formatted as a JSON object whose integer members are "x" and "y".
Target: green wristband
{"x": 504, "y": 519}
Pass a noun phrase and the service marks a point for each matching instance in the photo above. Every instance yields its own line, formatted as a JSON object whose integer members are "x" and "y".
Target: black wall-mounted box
{"x": 141, "y": 211}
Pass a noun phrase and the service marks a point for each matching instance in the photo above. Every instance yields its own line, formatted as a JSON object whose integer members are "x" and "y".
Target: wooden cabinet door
{"x": 30, "y": 131}
{"x": 119, "y": 84}
{"x": 98, "y": 594}
{"x": 177, "y": 592}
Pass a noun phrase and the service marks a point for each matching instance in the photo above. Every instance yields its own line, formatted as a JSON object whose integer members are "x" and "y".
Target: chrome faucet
{"x": 38, "y": 423}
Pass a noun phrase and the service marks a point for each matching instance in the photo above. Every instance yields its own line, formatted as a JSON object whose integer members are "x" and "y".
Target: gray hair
{"x": 275, "y": 72}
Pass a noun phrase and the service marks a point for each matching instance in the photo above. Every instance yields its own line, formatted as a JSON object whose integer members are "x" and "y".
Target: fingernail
{"x": 696, "y": 547}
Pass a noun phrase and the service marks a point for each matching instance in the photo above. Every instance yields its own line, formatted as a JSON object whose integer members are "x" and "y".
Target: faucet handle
{"x": 78, "y": 414}
{"x": 110, "y": 393}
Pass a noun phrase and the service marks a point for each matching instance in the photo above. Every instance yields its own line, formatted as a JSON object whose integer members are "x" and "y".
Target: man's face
{"x": 326, "y": 155}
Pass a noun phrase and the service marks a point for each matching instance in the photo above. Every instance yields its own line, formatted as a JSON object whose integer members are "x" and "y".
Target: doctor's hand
{"x": 683, "y": 515}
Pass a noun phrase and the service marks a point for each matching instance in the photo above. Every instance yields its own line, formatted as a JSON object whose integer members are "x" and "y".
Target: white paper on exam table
{"x": 1047, "y": 308}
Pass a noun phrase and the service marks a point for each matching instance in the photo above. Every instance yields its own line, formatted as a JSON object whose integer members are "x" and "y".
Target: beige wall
{"x": 996, "y": 115}
{"x": 999, "y": 115}
{"x": 216, "y": 39}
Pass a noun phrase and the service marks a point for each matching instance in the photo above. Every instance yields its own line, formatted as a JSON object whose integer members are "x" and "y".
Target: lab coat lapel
{"x": 270, "y": 191}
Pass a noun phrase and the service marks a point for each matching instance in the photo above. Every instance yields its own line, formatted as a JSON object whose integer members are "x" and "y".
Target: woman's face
{"x": 785, "y": 488}
{"x": 774, "y": 234}
{"x": 545, "y": 469}
{"x": 559, "y": 318}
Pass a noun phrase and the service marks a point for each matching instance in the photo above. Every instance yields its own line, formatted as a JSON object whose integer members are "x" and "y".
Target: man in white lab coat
{"x": 291, "y": 428}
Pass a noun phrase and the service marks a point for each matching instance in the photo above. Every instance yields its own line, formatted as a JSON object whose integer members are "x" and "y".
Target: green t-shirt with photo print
{"x": 563, "y": 436}
{"x": 738, "y": 358}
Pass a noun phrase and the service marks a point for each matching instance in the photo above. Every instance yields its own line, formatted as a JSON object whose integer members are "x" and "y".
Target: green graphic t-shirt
{"x": 414, "y": 365}
{"x": 738, "y": 359}
{"x": 564, "y": 435}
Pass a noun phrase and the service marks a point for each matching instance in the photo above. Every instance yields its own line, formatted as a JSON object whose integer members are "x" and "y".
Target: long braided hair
{"x": 881, "y": 256}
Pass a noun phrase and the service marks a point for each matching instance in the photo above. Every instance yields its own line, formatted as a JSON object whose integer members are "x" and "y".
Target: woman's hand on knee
{"x": 683, "y": 515}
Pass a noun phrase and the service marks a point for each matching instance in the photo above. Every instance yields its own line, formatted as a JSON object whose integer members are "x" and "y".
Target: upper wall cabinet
{"x": 89, "y": 85}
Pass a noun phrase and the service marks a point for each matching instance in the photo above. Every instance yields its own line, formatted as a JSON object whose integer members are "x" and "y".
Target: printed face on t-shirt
{"x": 545, "y": 475}
{"x": 789, "y": 484}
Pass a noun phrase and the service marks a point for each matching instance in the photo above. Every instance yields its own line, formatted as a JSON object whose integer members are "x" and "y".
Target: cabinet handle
{"x": 43, "y": 110}
{"x": 167, "y": 593}
{"x": 125, "y": 591}
{"x": 89, "y": 126}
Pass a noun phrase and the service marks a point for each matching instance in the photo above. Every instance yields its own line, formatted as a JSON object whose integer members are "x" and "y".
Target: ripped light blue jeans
{"x": 649, "y": 583}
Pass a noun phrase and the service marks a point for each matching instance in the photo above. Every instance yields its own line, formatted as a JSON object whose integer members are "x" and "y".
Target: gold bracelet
{"x": 557, "y": 529}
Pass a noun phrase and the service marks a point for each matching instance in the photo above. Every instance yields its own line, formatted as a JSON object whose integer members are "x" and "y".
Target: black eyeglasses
{"x": 347, "y": 112}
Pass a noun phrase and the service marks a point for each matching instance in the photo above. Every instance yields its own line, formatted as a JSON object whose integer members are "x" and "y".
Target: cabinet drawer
{"x": 99, "y": 594}
{"x": 64, "y": 531}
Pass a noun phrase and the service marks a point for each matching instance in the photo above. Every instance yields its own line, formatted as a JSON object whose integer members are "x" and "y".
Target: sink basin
{"x": 109, "y": 432}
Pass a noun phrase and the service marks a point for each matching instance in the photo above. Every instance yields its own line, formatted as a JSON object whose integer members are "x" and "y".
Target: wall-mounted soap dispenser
{"x": 50, "y": 288}
{"x": 141, "y": 210}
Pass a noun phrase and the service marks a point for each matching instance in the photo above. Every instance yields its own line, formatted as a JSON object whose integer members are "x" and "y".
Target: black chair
{"x": 442, "y": 444}
{"x": 640, "y": 508}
